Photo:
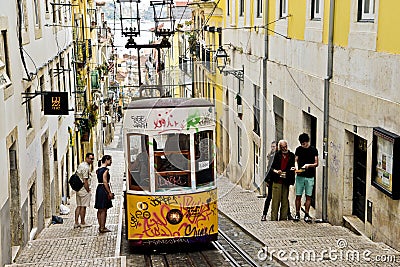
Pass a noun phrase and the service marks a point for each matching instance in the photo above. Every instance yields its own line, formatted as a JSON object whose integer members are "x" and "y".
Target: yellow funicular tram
{"x": 171, "y": 194}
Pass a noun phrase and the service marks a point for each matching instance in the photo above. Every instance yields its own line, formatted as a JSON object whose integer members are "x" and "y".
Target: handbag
{"x": 75, "y": 182}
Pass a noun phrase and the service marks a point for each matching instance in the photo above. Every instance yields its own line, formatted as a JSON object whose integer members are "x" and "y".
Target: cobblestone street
{"x": 290, "y": 243}
{"x": 62, "y": 245}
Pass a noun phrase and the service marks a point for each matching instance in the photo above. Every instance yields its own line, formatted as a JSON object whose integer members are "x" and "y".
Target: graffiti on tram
{"x": 172, "y": 119}
{"x": 158, "y": 217}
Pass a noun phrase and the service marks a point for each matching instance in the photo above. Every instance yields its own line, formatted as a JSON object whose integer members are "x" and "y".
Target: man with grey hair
{"x": 281, "y": 176}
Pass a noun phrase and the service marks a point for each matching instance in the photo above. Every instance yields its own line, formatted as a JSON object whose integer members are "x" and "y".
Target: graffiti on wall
{"x": 334, "y": 163}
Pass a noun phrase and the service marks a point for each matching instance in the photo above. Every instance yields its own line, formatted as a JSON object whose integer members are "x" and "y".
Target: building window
{"x": 366, "y": 10}
{"x": 42, "y": 89}
{"x": 259, "y": 8}
{"x": 24, "y": 17}
{"x": 256, "y": 160}
{"x": 279, "y": 115}
{"x": 4, "y": 56}
{"x": 240, "y": 145}
{"x": 316, "y": 12}
{"x": 256, "y": 110}
{"x": 283, "y": 8}
{"x": 36, "y": 13}
{"x": 28, "y": 110}
{"x": 241, "y": 8}
{"x": 51, "y": 79}
{"x": 46, "y": 3}
{"x": 228, "y": 7}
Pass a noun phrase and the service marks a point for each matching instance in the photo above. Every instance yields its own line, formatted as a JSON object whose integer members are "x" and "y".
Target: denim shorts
{"x": 304, "y": 183}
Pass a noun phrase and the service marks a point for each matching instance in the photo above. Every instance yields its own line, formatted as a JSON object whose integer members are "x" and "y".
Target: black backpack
{"x": 75, "y": 182}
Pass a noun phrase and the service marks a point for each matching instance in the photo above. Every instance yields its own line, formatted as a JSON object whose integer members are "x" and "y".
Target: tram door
{"x": 359, "y": 177}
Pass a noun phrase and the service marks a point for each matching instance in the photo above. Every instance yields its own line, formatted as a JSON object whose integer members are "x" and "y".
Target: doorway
{"x": 310, "y": 127}
{"x": 359, "y": 177}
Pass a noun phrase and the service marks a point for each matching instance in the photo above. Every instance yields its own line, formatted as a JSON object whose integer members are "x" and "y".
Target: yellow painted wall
{"x": 325, "y": 26}
{"x": 271, "y": 16}
{"x": 342, "y": 22}
{"x": 388, "y": 37}
{"x": 297, "y": 20}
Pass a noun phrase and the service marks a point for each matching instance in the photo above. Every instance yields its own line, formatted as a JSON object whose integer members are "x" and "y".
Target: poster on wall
{"x": 384, "y": 162}
{"x": 385, "y": 152}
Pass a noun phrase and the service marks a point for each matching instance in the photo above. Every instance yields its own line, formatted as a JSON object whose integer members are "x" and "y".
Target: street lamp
{"x": 163, "y": 18}
{"x": 129, "y": 16}
{"x": 221, "y": 58}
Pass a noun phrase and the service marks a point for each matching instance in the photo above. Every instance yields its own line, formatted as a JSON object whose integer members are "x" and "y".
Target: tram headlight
{"x": 174, "y": 216}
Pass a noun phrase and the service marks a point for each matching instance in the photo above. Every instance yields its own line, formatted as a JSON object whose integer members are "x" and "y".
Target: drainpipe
{"x": 264, "y": 87}
{"x": 326, "y": 112}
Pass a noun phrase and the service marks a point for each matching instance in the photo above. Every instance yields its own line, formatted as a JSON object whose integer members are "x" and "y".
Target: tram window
{"x": 204, "y": 158}
{"x": 172, "y": 161}
{"x": 139, "y": 172}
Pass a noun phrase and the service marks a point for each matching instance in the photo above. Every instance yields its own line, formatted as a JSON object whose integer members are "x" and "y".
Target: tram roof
{"x": 168, "y": 103}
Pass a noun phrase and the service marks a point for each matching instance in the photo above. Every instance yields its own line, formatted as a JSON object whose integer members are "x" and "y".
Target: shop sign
{"x": 56, "y": 103}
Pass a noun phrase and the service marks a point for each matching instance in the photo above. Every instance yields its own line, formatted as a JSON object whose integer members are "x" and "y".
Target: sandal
{"x": 104, "y": 230}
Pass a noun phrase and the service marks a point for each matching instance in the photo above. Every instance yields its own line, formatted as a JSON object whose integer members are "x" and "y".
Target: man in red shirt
{"x": 281, "y": 176}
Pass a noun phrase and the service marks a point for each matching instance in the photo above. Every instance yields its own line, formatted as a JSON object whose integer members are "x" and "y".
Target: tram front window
{"x": 172, "y": 161}
{"x": 204, "y": 158}
{"x": 139, "y": 172}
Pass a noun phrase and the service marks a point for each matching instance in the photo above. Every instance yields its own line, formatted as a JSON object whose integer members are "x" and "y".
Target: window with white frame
{"x": 240, "y": 145}
{"x": 256, "y": 110}
{"x": 28, "y": 110}
{"x": 36, "y": 12}
{"x": 283, "y": 8}
{"x": 366, "y": 10}
{"x": 256, "y": 160}
{"x": 259, "y": 8}
{"x": 241, "y": 8}
{"x": 316, "y": 9}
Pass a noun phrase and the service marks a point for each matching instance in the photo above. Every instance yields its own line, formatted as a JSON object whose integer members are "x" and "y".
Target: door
{"x": 359, "y": 177}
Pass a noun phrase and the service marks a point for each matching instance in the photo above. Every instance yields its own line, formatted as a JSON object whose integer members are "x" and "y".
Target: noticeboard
{"x": 385, "y": 162}
{"x": 56, "y": 103}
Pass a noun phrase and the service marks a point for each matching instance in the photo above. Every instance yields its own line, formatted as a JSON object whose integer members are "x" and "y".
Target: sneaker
{"x": 296, "y": 217}
{"x": 307, "y": 218}
{"x": 263, "y": 218}
{"x": 77, "y": 225}
{"x": 289, "y": 217}
{"x": 85, "y": 225}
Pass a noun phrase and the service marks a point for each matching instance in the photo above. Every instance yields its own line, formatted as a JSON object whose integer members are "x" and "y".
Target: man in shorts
{"x": 306, "y": 161}
{"x": 84, "y": 195}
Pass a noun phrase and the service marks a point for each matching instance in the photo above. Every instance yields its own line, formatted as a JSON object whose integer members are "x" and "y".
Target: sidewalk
{"x": 61, "y": 245}
{"x": 299, "y": 243}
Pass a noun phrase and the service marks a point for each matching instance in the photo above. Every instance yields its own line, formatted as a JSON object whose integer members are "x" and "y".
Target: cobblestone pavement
{"x": 299, "y": 243}
{"x": 290, "y": 243}
{"x": 62, "y": 245}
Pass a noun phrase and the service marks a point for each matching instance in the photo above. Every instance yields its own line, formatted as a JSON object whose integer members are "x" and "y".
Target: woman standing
{"x": 103, "y": 193}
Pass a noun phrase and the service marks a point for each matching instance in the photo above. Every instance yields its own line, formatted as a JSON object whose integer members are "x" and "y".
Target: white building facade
{"x": 37, "y": 151}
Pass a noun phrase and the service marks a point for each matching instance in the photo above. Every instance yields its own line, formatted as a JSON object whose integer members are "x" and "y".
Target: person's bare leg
{"x": 77, "y": 213}
{"x": 82, "y": 213}
{"x": 298, "y": 204}
{"x": 308, "y": 204}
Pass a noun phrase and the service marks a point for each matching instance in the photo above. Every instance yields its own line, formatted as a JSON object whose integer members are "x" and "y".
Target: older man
{"x": 281, "y": 176}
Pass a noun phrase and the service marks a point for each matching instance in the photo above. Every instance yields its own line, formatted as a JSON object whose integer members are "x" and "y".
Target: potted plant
{"x": 92, "y": 115}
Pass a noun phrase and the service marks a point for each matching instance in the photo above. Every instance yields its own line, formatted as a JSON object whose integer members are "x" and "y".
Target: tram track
{"x": 239, "y": 251}
{"x": 234, "y": 247}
